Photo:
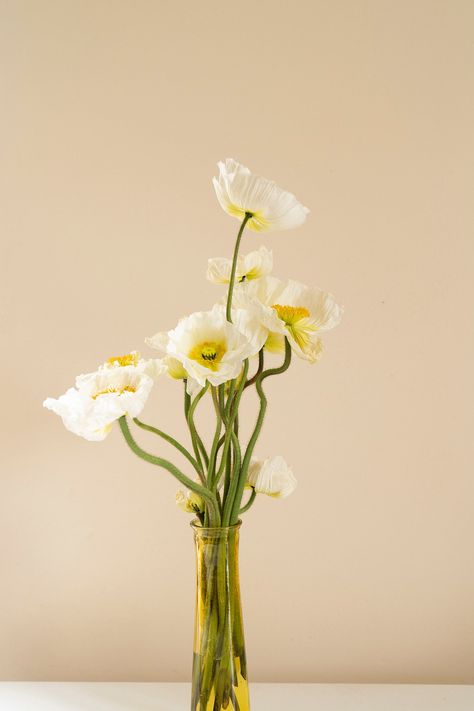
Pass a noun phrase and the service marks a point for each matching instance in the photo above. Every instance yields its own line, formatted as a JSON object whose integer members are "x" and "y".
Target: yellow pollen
{"x": 291, "y": 314}
{"x": 119, "y": 391}
{"x": 208, "y": 354}
{"x": 128, "y": 359}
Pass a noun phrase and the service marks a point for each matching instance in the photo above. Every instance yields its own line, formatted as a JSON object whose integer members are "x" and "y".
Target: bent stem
{"x": 171, "y": 440}
{"x": 239, "y": 489}
{"x": 208, "y": 496}
{"x": 249, "y": 503}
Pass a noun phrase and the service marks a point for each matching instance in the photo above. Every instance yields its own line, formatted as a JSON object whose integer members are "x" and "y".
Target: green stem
{"x": 252, "y": 380}
{"x": 227, "y": 513}
{"x": 247, "y": 217}
{"x": 249, "y": 502}
{"x": 229, "y": 419}
{"x": 187, "y": 400}
{"x": 215, "y": 442}
{"x": 173, "y": 441}
{"x": 207, "y": 495}
{"x": 258, "y": 427}
{"x": 198, "y": 444}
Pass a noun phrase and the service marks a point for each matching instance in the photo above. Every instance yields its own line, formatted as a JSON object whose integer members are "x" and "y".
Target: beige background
{"x": 113, "y": 116}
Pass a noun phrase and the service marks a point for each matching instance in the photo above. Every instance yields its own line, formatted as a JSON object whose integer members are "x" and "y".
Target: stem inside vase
{"x": 219, "y": 678}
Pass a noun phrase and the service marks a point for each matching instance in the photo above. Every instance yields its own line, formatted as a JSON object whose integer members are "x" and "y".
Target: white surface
{"x": 48, "y": 696}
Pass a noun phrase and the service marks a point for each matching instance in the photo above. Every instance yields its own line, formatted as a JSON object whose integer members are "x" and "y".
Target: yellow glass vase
{"x": 219, "y": 663}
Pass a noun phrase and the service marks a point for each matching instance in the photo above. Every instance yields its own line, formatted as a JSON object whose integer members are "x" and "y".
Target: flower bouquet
{"x": 218, "y": 355}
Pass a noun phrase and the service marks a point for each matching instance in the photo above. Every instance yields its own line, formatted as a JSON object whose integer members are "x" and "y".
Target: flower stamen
{"x": 124, "y": 360}
{"x": 291, "y": 314}
{"x": 119, "y": 391}
{"x": 208, "y": 354}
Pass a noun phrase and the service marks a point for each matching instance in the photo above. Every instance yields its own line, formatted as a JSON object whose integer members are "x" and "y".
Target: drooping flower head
{"x": 120, "y": 386}
{"x": 240, "y": 192}
{"x": 271, "y": 476}
{"x": 189, "y": 502}
{"x": 209, "y": 347}
{"x": 291, "y": 309}
{"x": 249, "y": 266}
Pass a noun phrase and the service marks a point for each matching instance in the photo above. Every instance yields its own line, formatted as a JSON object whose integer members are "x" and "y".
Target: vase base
{"x": 229, "y": 690}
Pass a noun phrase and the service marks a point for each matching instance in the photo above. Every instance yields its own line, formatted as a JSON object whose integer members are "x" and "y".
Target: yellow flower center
{"x": 119, "y": 391}
{"x": 209, "y": 354}
{"x": 291, "y": 314}
{"x": 122, "y": 361}
{"x": 297, "y": 321}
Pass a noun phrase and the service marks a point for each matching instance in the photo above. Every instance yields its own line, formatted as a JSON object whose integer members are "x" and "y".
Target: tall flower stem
{"x": 247, "y": 217}
{"x": 197, "y": 442}
{"x": 207, "y": 495}
{"x": 215, "y": 443}
{"x": 239, "y": 489}
{"x": 230, "y": 437}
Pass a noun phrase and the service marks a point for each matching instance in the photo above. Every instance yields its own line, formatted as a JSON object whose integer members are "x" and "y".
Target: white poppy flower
{"x": 293, "y": 310}
{"x": 189, "y": 501}
{"x": 239, "y": 192}
{"x": 209, "y": 347}
{"x": 249, "y": 266}
{"x": 271, "y": 476}
{"x": 152, "y": 367}
{"x": 100, "y": 398}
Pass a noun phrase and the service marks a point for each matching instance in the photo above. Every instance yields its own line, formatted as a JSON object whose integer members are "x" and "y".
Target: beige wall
{"x": 113, "y": 116}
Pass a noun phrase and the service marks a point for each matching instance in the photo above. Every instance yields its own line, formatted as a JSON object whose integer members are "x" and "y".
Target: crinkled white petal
{"x": 257, "y": 297}
{"x": 271, "y": 476}
{"x": 253, "y": 265}
{"x": 209, "y": 327}
{"x": 173, "y": 367}
{"x": 239, "y": 192}
{"x": 265, "y": 293}
{"x": 153, "y": 367}
{"x": 100, "y": 398}
{"x": 325, "y": 312}
{"x": 159, "y": 342}
{"x": 247, "y": 321}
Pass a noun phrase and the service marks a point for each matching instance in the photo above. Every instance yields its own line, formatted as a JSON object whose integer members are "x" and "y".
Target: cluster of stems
{"x": 221, "y": 470}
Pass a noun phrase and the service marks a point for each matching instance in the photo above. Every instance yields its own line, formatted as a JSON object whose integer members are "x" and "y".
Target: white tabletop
{"x": 86, "y": 696}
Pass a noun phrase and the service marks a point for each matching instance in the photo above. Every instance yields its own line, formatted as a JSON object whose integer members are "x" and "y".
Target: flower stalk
{"x": 235, "y": 257}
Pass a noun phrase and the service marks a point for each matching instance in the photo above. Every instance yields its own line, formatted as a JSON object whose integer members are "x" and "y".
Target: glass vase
{"x": 219, "y": 665}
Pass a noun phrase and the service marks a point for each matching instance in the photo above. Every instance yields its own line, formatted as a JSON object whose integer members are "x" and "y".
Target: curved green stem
{"x": 258, "y": 427}
{"x": 249, "y": 503}
{"x": 207, "y": 495}
{"x": 252, "y": 380}
{"x": 247, "y": 217}
{"x": 171, "y": 440}
{"x": 198, "y": 445}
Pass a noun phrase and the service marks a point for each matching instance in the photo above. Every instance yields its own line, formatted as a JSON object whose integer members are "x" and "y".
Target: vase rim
{"x": 196, "y": 526}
